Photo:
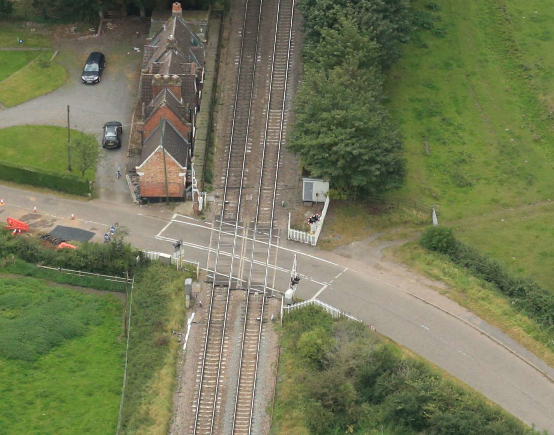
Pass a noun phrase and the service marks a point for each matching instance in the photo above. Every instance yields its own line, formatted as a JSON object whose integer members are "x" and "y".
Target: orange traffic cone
{"x": 72, "y": 217}
{"x": 2, "y": 201}
{"x": 35, "y": 209}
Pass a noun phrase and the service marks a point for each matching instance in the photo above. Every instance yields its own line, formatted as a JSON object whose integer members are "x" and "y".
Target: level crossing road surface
{"x": 397, "y": 302}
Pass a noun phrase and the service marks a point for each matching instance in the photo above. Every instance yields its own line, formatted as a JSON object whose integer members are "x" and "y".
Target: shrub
{"x": 438, "y": 239}
{"x": 364, "y": 383}
{"x": 527, "y": 296}
{"x": 110, "y": 259}
{"x": 61, "y": 182}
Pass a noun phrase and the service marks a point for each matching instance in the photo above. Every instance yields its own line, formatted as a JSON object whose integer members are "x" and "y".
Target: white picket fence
{"x": 171, "y": 259}
{"x": 312, "y": 237}
{"x": 334, "y": 312}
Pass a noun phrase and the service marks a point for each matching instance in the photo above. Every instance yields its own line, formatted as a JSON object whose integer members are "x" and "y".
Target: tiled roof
{"x": 188, "y": 90}
{"x": 166, "y": 97}
{"x": 145, "y": 88}
{"x": 175, "y": 144}
{"x": 185, "y": 41}
{"x": 199, "y": 54}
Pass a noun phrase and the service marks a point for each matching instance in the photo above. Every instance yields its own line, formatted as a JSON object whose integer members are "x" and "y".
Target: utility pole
{"x": 165, "y": 167}
{"x": 68, "y": 142}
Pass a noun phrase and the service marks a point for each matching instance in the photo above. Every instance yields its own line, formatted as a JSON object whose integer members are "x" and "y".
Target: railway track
{"x": 256, "y": 240}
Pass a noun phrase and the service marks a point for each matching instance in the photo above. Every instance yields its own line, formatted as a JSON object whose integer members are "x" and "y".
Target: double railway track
{"x": 250, "y": 245}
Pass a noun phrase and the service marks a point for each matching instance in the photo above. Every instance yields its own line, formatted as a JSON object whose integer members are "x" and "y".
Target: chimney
{"x": 173, "y": 83}
{"x": 170, "y": 42}
{"x": 177, "y": 11}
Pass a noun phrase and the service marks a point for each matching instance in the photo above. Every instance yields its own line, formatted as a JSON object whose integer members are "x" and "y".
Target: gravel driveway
{"x": 92, "y": 105}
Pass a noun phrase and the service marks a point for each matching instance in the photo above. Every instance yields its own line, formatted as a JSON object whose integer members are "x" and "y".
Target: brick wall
{"x": 152, "y": 183}
{"x": 166, "y": 113}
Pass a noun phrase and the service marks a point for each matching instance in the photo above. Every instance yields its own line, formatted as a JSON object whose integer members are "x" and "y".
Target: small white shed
{"x": 314, "y": 190}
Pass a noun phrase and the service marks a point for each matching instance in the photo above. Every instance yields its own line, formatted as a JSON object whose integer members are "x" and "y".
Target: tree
{"x": 86, "y": 152}
{"x": 387, "y": 22}
{"x": 72, "y": 9}
{"x": 344, "y": 133}
{"x": 6, "y": 8}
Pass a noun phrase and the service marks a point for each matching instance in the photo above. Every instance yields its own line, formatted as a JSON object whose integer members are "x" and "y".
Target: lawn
{"x": 62, "y": 359}
{"x": 11, "y": 33}
{"x": 12, "y": 61}
{"x": 37, "y": 78}
{"x": 38, "y": 146}
{"x": 478, "y": 90}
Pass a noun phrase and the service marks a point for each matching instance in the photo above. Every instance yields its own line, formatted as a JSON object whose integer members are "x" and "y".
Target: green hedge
{"x": 114, "y": 258}
{"x": 67, "y": 183}
{"x": 525, "y": 294}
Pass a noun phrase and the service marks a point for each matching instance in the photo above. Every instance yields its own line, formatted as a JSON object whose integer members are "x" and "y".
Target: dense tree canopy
{"x": 342, "y": 130}
{"x": 344, "y": 133}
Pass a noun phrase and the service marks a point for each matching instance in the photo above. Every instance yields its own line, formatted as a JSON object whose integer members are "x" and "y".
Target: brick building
{"x": 167, "y": 106}
{"x": 151, "y": 170}
{"x": 171, "y": 81}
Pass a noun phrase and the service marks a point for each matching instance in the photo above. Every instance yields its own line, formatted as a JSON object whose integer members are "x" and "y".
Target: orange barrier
{"x": 66, "y": 245}
{"x": 14, "y": 224}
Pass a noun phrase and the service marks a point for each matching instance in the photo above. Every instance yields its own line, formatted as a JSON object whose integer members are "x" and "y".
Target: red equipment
{"x": 14, "y": 224}
{"x": 66, "y": 245}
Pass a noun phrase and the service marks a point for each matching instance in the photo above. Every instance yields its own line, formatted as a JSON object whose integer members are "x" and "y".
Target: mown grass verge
{"x": 347, "y": 222}
{"x": 11, "y": 32}
{"x": 158, "y": 309}
{"x": 338, "y": 377}
{"x": 40, "y": 147}
{"x": 12, "y": 61}
{"x": 37, "y": 78}
{"x": 61, "y": 359}
{"x": 480, "y": 297}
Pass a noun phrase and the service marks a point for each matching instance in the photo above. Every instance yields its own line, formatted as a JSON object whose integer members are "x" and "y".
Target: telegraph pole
{"x": 68, "y": 142}
{"x": 165, "y": 167}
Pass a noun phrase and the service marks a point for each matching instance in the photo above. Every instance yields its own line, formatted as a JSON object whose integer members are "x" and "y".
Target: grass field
{"x": 61, "y": 363}
{"x": 10, "y": 33}
{"x": 35, "y": 79}
{"x": 38, "y": 146}
{"x": 479, "y": 92}
{"x": 12, "y": 61}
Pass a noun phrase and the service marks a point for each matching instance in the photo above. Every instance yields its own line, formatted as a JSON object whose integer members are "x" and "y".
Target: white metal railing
{"x": 312, "y": 237}
{"x": 121, "y": 279}
{"x": 334, "y": 312}
{"x": 175, "y": 259}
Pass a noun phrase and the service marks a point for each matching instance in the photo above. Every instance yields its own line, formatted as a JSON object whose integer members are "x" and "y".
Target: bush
{"x": 110, "y": 259}
{"x": 526, "y": 295}
{"x": 364, "y": 383}
{"x": 61, "y": 182}
{"x": 438, "y": 239}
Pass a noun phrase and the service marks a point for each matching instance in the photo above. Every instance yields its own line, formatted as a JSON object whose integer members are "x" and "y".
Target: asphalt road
{"x": 400, "y": 304}
{"x": 91, "y": 106}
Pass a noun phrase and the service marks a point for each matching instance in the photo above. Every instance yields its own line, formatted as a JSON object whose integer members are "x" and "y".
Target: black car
{"x": 112, "y": 134}
{"x": 93, "y": 68}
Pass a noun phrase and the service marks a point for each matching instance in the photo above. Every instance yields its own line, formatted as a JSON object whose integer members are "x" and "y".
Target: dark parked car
{"x": 112, "y": 134}
{"x": 93, "y": 68}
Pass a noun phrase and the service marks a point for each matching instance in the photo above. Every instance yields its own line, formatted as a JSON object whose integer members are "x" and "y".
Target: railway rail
{"x": 233, "y": 236}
